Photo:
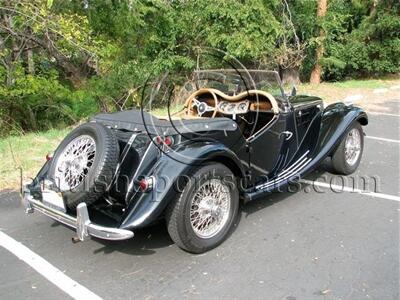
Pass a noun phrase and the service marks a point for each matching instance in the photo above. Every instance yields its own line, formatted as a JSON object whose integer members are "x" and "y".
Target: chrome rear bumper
{"x": 84, "y": 227}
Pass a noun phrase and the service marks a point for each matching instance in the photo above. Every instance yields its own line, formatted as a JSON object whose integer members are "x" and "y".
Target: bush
{"x": 40, "y": 102}
{"x": 370, "y": 49}
{"x": 82, "y": 57}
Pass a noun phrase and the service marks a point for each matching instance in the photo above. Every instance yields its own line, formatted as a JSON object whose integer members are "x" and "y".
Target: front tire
{"x": 347, "y": 156}
{"x": 204, "y": 214}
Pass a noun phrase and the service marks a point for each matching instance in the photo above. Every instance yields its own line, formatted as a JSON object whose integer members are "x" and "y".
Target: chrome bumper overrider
{"x": 84, "y": 227}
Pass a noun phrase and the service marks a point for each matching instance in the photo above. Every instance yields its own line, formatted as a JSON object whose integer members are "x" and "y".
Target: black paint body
{"x": 303, "y": 130}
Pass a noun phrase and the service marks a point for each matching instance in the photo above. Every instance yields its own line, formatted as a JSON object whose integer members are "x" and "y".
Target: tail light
{"x": 164, "y": 140}
{"x": 146, "y": 184}
{"x": 159, "y": 140}
{"x": 168, "y": 141}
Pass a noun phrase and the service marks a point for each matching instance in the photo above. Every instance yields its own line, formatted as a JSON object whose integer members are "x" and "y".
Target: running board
{"x": 283, "y": 178}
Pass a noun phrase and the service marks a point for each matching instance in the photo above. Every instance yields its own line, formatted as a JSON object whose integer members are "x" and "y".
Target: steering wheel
{"x": 202, "y": 107}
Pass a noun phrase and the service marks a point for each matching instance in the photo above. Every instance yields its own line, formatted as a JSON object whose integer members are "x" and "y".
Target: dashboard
{"x": 233, "y": 108}
{"x": 212, "y": 102}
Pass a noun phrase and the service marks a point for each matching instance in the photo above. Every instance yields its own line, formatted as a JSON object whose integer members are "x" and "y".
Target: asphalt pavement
{"x": 312, "y": 244}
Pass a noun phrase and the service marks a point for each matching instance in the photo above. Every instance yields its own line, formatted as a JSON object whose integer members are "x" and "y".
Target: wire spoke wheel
{"x": 209, "y": 211}
{"x": 352, "y": 146}
{"x": 205, "y": 212}
{"x": 74, "y": 162}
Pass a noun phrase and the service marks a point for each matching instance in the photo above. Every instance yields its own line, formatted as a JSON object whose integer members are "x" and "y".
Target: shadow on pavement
{"x": 145, "y": 242}
{"x": 148, "y": 240}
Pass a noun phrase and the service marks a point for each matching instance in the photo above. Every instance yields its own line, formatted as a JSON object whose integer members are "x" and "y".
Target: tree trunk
{"x": 31, "y": 63}
{"x": 372, "y": 13}
{"x": 73, "y": 72}
{"x": 29, "y": 55}
{"x": 9, "y": 59}
{"x": 315, "y": 77}
{"x": 32, "y": 119}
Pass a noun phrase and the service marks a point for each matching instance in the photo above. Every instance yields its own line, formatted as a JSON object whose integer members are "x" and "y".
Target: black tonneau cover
{"x": 135, "y": 120}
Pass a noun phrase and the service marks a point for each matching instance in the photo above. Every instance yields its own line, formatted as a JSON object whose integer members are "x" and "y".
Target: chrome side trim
{"x": 298, "y": 161}
{"x": 286, "y": 174}
{"x": 292, "y": 173}
{"x": 82, "y": 223}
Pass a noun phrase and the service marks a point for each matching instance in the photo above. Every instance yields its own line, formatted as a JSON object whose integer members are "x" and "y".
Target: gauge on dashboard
{"x": 233, "y": 108}
{"x": 223, "y": 105}
{"x": 242, "y": 107}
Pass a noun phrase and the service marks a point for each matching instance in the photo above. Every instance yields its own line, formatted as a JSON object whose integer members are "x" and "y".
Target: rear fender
{"x": 148, "y": 207}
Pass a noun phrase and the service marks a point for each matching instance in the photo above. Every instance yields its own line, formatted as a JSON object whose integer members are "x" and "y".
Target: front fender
{"x": 336, "y": 120}
{"x": 148, "y": 207}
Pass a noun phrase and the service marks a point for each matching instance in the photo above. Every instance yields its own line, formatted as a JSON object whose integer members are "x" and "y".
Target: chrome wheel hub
{"x": 74, "y": 162}
{"x": 209, "y": 211}
{"x": 352, "y": 148}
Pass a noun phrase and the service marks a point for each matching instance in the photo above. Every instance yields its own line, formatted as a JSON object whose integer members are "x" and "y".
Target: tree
{"x": 39, "y": 49}
{"x": 363, "y": 39}
{"x": 316, "y": 73}
{"x": 290, "y": 52}
{"x": 61, "y": 61}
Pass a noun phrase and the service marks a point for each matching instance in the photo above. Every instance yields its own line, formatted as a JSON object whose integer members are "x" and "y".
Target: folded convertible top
{"x": 135, "y": 120}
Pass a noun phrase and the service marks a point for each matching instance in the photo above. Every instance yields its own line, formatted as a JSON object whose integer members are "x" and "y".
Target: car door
{"x": 305, "y": 108}
{"x": 273, "y": 147}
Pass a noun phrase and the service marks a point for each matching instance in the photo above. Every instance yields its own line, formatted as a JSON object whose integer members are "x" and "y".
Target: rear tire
{"x": 347, "y": 156}
{"x": 197, "y": 221}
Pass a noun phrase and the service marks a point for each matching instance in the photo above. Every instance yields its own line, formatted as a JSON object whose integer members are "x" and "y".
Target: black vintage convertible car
{"x": 238, "y": 137}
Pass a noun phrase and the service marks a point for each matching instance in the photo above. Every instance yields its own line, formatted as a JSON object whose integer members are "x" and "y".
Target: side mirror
{"x": 294, "y": 91}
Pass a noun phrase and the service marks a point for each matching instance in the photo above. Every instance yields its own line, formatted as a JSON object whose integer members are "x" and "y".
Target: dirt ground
{"x": 370, "y": 98}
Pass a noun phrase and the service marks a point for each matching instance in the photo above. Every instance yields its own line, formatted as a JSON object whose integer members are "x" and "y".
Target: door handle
{"x": 288, "y": 135}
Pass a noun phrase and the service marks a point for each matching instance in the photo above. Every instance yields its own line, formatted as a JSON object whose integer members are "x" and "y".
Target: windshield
{"x": 232, "y": 81}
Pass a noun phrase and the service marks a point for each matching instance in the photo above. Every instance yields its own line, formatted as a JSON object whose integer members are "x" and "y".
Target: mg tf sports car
{"x": 238, "y": 137}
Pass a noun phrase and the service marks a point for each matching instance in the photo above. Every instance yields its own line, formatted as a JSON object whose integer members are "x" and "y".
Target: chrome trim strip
{"x": 301, "y": 158}
{"x": 266, "y": 126}
{"x": 274, "y": 182}
{"x": 291, "y": 171}
{"x": 82, "y": 223}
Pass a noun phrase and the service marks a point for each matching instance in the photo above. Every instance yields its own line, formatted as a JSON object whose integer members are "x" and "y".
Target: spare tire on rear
{"x": 84, "y": 164}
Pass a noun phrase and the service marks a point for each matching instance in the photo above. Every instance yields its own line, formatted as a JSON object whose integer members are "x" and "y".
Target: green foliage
{"x": 247, "y": 30}
{"x": 62, "y": 61}
{"x": 370, "y": 47}
{"x": 40, "y": 102}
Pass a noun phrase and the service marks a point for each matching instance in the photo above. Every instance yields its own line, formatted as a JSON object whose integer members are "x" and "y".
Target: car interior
{"x": 252, "y": 110}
